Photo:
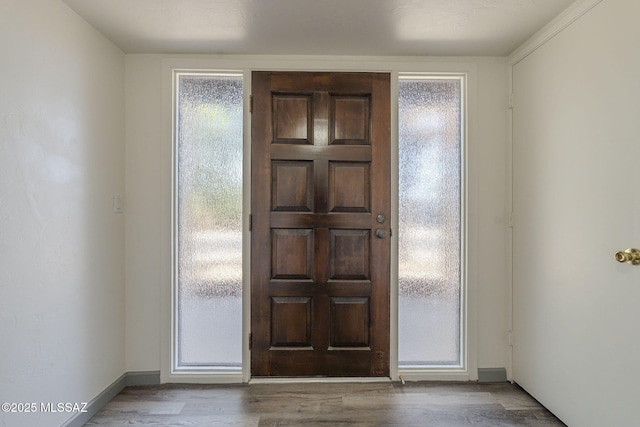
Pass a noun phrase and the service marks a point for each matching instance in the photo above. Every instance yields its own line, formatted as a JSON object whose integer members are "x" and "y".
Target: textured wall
{"x": 61, "y": 246}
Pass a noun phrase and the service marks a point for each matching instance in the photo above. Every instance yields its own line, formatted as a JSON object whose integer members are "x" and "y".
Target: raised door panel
{"x": 349, "y": 254}
{"x": 291, "y": 322}
{"x": 292, "y": 119}
{"x": 292, "y": 186}
{"x": 292, "y": 253}
{"x": 349, "y": 187}
{"x": 349, "y": 322}
{"x": 349, "y": 119}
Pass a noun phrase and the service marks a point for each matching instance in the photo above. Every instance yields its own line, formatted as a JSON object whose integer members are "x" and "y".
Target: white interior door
{"x": 576, "y": 156}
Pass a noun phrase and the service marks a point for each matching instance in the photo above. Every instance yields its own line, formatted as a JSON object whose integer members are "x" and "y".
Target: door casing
{"x": 396, "y": 66}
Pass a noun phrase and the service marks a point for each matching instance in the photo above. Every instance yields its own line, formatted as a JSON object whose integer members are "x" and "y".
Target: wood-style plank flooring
{"x": 326, "y": 404}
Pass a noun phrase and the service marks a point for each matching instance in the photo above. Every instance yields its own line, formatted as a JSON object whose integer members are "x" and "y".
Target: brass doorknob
{"x": 630, "y": 256}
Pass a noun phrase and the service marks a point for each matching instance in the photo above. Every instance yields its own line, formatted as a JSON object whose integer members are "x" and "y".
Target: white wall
{"x": 61, "y": 247}
{"x": 148, "y": 196}
{"x": 144, "y": 232}
{"x": 491, "y": 224}
{"x": 576, "y": 156}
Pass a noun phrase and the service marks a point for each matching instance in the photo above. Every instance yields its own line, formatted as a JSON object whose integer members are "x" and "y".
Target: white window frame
{"x": 406, "y": 370}
{"x": 396, "y": 67}
{"x": 175, "y": 368}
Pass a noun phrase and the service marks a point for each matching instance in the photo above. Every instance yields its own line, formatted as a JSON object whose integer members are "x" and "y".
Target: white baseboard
{"x": 127, "y": 379}
{"x": 492, "y": 375}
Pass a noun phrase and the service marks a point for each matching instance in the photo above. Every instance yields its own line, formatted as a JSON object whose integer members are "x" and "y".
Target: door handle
{"x": 630, "y": 256}
{"x": 381, "y": 233}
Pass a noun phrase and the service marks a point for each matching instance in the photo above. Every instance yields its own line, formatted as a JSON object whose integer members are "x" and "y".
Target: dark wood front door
{"x": 320, "y": 224}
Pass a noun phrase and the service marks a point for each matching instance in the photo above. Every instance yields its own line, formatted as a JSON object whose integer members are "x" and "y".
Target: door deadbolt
{"x": 381, "y": 219}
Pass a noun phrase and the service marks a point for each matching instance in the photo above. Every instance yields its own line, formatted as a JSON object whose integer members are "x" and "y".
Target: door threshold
{"x": 298, "y": 380}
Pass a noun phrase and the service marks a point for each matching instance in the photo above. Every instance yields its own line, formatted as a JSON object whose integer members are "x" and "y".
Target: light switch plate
{"x": 117, "y": 203}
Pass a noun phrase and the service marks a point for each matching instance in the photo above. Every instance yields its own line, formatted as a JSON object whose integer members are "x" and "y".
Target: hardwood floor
{"x": 326, "y": 404}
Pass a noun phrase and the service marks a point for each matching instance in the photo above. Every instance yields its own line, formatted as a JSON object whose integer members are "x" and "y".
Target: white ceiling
{"x": 319, "y": 27}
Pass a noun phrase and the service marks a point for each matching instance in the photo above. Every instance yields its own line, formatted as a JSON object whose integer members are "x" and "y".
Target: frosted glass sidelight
{"x": 209, "y": 221}
{"x": 429, "y": 119}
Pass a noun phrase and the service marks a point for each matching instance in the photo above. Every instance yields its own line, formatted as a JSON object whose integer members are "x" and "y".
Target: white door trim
{"x": 393, "y": 65}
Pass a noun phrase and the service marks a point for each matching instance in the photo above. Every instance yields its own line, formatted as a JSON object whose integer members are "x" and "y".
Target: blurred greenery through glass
{"x": 209, "y": 220}
{"x": 429, "y": 239}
